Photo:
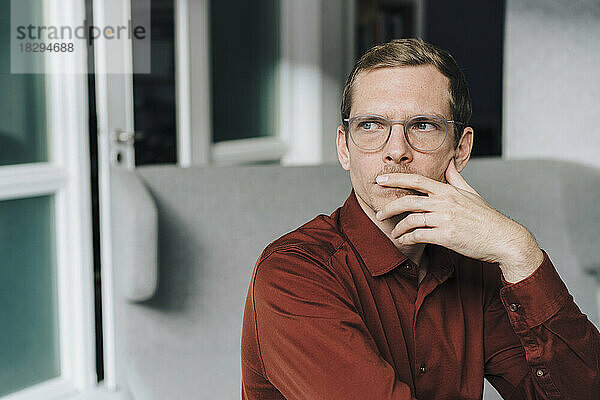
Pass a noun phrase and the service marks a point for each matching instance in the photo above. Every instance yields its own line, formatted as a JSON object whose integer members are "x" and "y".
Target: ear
{"x": 462, "y": 153}
{"x": 342, "y": 148}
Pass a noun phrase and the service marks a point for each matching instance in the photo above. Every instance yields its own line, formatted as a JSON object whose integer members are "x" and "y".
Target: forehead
{"x": 399, "y": 92}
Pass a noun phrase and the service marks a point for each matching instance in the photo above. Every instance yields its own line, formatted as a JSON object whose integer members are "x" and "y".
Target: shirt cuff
{"x": 535, "y": 299}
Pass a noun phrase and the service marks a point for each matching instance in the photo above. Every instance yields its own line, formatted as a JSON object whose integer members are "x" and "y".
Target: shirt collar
{"x": 375, "y": 248}
{"x": 441, "y": 262}
{"x": 377, "y": 251}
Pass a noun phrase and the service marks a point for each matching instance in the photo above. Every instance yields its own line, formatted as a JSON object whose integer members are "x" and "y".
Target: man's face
{"x": 397, "y": 94}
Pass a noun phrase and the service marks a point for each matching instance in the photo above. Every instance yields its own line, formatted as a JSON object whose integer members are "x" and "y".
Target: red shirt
{"x": 335, "y": 311}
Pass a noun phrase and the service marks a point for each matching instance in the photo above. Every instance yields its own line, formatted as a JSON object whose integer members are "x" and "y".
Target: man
{"x": 415, "y": 287}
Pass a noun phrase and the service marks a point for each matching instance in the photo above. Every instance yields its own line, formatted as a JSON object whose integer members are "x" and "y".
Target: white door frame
{"x": 114, "y": 102}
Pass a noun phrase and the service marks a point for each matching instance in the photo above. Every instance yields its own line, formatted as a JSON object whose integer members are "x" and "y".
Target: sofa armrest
{"x": 134, "y": 236}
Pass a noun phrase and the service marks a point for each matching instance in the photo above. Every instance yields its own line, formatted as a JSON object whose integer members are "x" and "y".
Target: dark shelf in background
{"x": 473, "y": 31}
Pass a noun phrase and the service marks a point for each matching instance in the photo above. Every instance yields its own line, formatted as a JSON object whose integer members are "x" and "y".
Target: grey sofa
{"x": 185, "y": 242}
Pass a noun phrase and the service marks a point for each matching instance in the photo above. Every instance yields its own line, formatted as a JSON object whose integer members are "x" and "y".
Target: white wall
{"x": 552, "y": 80}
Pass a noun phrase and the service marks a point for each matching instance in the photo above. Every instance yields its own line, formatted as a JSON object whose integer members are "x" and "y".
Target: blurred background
{"x": 235, "y": 82}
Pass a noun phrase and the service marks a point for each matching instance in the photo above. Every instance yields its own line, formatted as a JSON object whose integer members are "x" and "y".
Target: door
{"x": 114, "y": 68}
{"x": 46, "y": 294}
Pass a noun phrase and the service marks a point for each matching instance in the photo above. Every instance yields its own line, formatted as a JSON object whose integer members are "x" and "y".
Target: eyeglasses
{"x": 422, "y": 132}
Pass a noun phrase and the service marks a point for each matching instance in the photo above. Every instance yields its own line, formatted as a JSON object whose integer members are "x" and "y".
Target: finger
{"x": 420, "y": 235}
{"x": 414, "y": 221}
{"x": 408, "y": 203}
{"x": 454, "y": 178}
{"x": 410, "y": 181}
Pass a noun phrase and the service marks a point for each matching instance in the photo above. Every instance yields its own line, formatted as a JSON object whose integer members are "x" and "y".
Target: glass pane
{"x": 154, "y": 93}
{"x": 245, "y": 55}
{"x": 22, "y": 104}
{"x": 29, "y": 338}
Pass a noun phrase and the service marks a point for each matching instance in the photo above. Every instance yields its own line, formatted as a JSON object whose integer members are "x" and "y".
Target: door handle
{"x": 122, "y": 150}
{"x": 126, "y": 137}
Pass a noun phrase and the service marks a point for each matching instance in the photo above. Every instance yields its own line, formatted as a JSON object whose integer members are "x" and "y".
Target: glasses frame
{"x": 391, "y": 123}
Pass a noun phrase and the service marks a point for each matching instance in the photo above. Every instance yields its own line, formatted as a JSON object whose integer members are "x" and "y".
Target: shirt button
{"x": 408, "y": 266}
{"x": 513, "y": 307}
{"x": 539, "y": 372}
{"x": 422, "y": 369}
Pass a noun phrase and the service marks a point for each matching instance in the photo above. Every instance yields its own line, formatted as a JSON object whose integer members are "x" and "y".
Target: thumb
{"x": 454, "y": 178}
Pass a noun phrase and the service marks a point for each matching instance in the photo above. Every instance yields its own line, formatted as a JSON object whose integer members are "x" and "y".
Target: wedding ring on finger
{"x": 424, "y": 219}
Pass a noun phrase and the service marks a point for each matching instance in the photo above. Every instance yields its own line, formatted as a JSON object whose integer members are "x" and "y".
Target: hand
{"x": 455, "y": 216}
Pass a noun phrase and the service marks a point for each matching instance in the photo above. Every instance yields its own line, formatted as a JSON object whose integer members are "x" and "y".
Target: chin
{"x": 378, "y": 197}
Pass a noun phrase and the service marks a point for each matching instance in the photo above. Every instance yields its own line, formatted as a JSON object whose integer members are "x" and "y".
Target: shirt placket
{"x": 434, "y": 278}
{"x": 402, "y": 283}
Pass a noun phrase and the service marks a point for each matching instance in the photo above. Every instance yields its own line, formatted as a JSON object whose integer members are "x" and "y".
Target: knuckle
{"x": 414, "y": 219}
{"x": 450, "y": 232}
{"x": 453, "y": 192}
{"x": 417, "y": 235}
{"x": 447, "y": 216}
{"x": 451, "y": 214}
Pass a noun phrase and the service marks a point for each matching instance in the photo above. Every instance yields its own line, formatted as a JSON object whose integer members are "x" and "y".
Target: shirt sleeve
{"x": 313, "y": 343}
{"x": 539, "y": 345}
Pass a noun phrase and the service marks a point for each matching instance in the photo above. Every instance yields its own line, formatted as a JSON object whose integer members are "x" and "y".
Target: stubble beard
{"x": 379, "y": 196}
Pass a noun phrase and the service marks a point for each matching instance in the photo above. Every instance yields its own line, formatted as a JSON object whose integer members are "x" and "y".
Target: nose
{"x": 397, "y": 150}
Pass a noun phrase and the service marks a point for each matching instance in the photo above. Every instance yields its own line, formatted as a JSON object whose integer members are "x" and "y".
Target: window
{"x": 28, "y": 294}
{"x": 265, "y": 79}
{"x": 245, "y": 80}
{"x": 245, "y": 58}
{"x": 46, "y": 297}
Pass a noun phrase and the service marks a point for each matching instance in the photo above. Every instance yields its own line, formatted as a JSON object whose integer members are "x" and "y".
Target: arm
{"x": 313, "y": 343}
{"x": 538, "y": 343}
{"x": 542, "y": 345}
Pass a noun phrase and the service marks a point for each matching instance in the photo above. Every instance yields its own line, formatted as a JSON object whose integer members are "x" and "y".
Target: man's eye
{"x": 370, "y": 125}
{"x": 425, "y": 126}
